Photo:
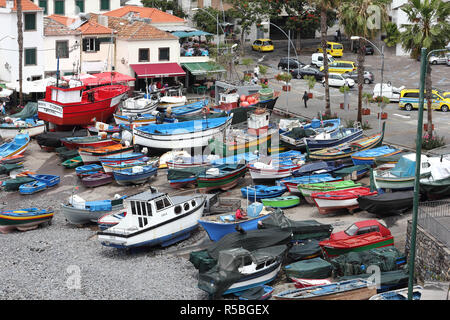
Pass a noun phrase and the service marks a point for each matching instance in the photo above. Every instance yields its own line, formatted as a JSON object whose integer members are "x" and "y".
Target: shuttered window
{"x": 30, "y": 22}
{"x": 59, "y": 7}
{"x": 62, "y": 49}
{"x": 30, "y": 56}
{"x": 105, "y": 5}
{"x": 164, "y": 54}
{"x": 80, "y": 5}
{"x": 91, "y": 45}
{"x": 44, "y": 5}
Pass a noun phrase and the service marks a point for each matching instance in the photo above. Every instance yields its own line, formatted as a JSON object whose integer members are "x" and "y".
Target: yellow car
{"x": 263, "y": 45}
{"x": 409, "y": 99}
{"x": 334, "y": 49}
{"x": 340, "y": 66}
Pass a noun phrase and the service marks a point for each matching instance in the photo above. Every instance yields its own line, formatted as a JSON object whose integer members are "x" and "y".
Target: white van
{"x": 388, "y": 91}
{"x": 317, "y": 59}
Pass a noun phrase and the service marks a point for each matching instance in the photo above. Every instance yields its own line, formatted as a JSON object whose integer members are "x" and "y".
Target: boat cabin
{"x": 64, "y": 95}
{"x": 258, "y": 122}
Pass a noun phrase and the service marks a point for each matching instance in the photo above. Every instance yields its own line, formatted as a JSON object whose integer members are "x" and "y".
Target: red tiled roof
{"x": 27, "y": 5}
{"x": 91, "y": 27}
{"x": 62, "y": 19}
{"x": 54, "y": 28}
{"x": 156, "y": 15}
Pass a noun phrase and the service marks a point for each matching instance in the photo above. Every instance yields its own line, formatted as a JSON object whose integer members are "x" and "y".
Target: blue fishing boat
{"x": 88, "y": 168}
{"x": 121, "y": 158}
{"x": 327, "y": 139}
{"x": 368, "y": 156}
{"x": 189, "y": 109}
{"x": 16, "y": 147}
{"x": 319, "y": 167}
{"x": 50, "y": 180}
{"x": 400, "y": 294}
{"x": 263, "y": 292}
{"x": 32, "y": 187}
{"x": 240, "y": 157}
{"x": 258, "y": 192}
{"x": 291, "y": 183}
{"x": 217, "y": 226}
{"x": 24, "y": 219}
{"x": 134, "y": 175}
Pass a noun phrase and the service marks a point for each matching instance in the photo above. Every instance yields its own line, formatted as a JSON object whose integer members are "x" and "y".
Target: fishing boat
{"x": 29, "y": 126}
{"x": 188, "y": 109}
{"x": 306, "y": 283}
{"x": 15, "y": 183}
{"x": 64, "y": 106}
{"x": 223, "y": 177}
{"x": 281, "y": 202}
{"x": 93, "y": 155}
{"x": 135, "y": 120}
{"x": 15, "y": 147}
{"x": 402, "y": 175}
{"x": 179, "y": 178}
{"x": 48, "y": 141}
{"x": 134, "y": 175}
{"x": 239, "y": 269}
{"x": 368, "y": 156}
{"x": 154, "y": 218}
{"x": 190, "y": 162}
{"x": 145, "y": 161}
{"x": 87, "y": 142}
{"x": 188, "y": 134}
{"x": 347, "y": 149}
{"x": 292, "y": 183}
{"x": 32, "y": 187}
{"x": 388, "y": 203}
{"x": 24, "y": 219}
{"x": 329, "y": 139}
{"x": 12, "y": 159}
{"x": 275, "y": 167}
{"x": 217, "y": 226}
{"x": 259, "y": 192}
{"x": 340, "y": 199}
{"x": 78, "y": 211}
{"x": 88, "y": 168}
{"x": 49, "y": 179}
{"x": 319, "y": 167}
{"x": 307, "y": 189}
{"x": 171, "y": 101}
{"x": 263, "y": 292}
{"x": 352, "y": 172}
{"x": 8, "y": 168}
{"x": 399, "y": 294}
{"x": 96, "y": 179}
{"x": 109, "y": 220}
{"x": 171, "y": 155}
{"x": 121, "y": 158}
{"x": 356, "y": 289}
{"x": 264, "y": 98}
{"x": 437, "y": 185}
{"x": 66, "y": 154}
{"x": 140, "y": 104}
{"x": 73, "y": 163}
{"x": 103, "y": 127}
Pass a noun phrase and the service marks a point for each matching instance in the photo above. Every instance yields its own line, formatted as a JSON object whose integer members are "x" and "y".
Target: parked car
{"x": 334, "y": 48}
{"x": 360, "y": 228}
{"x": 338, "y": 80}
{"x": 409, "y": 99}
{"x": 388, "y": 91}
{"x": 293, "y": 64}
{"x": 265, "y": 45}
{"x": 368, "y": 76}
{"x": 438, "y": 59}
{"x": 340, "y": 66}
{"x": 368, "y": 47}
{"x": 448, "y": 58}
{"x": 317, "y": 59}
{"x": 307, "y": 71}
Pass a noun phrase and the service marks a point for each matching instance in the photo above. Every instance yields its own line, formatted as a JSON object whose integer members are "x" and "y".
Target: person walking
{"x": 305, "y": 99}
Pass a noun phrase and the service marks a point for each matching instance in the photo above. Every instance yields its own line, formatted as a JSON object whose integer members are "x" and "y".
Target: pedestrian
{"x": 3, "y": 107}
{"x": 336, "y": 36}
{"x": 305, "y": 98}
{"x": 256, "y": 71}
{"x": 339, "y": 34}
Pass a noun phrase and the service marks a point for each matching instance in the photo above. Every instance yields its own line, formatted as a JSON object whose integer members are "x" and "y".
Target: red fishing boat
{"x": 340, "y": 199}
{"x": 65, "y": 106}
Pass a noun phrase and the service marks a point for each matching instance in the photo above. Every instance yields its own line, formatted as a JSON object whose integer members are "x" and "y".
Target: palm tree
{"x": 430, "y": 29}
{"x": 20, "y": 42}
{"x": 357, "y": 18}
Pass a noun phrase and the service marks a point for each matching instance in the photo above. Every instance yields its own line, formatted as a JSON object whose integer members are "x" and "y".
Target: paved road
{"x": 401, "y": 125}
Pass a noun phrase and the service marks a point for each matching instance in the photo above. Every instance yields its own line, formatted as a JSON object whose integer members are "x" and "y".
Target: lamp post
{"x": 424, "y": 59}
{"x": 382, "y": 68}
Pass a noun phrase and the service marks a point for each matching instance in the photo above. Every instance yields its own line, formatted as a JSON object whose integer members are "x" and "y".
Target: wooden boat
{"x": 135, "y": 120}
{"x": 66, "y": 154}
{"x": 140, "y": 104}
{"x": 282, "y": 202}
{"x": 319, "y": 167}
{"x": 346, "y": 150}
{"x": 103, "y": 127}
{"x": 357, "y": 289}
{"x": 171, "y": 155}
{"x": 189, "y": 162}
{"x": 49, "y": 179}
{"x": 96, "y": 179}
{"x": 48, "y": 141}
{"x": 263, "y": 292}
{"x": 292, "y": 183}
{"x": 352, "y": 172}
{"x": 16, "y": 147}
{"x": 171, "y": 101}
{"x": 217, "y": 226}
{"x": 90, "y": 155}
{"x": 437, "y": 185}
{"x": 86, "y": 142}
{"x": 12, "y": 159}
{"x": 386, "y": 204}
{"x": 154, "y": 218}
{"x": 134, "y": 175}
{"x": 15, "y": 183}
{"x": 340, "y": 199}
{"x": 179, "y": 178}
{"x": 8, "y": 168}
{"x": 88, "y": 168}
{"x": 223, "y": 177}
{"x": 32, "y": 187}
{"x": 78, "y": 211}
{"x": 78, "y": 106}
{"x": 259, "y": 192}
{"x": 188, "y": 109}
{"x": 109, "y": 220}
{"x": 73, "y": 163}
{"x": 306, "y": 283}
{"x": 188, "y": 134}
{"x": 399, "y": 294}
{"x": 29, "y": 126}
{"x": 307, "y": 189}
{"x": 275, "y": 167}
{"x": 333, "y": 138}
{"x": 120, "y": 158}
{"x": 368, "y": 156}
{"x": 24, "y": 219}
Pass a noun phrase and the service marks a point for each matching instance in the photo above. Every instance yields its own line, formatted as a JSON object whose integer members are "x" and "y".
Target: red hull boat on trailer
{"x": 65, "y": 106}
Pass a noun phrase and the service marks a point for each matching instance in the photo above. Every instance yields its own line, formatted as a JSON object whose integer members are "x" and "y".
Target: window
{"x": 138, "y": 207}
{"x": 80, "y": 5}
{"x": 193, "y": 203}
{"x": 159, "y": 204}
{"x": 60, "y": 7}
{"x": 164, "y": 54}
{"x": 149, "y": 209}
{"x": 351, "y": 230}
{"x": 62, "y": 49}
{"x": 186, "y": 206}
{"x": 133, "y": 207}
{"x": 166, "y": 202}
{"x": 143, "y": 208}
{"x": 144, "y": 55}
{"x": 30, "y": 56}
{"x": 177, "y": 210}
{"x": 411, "y": 95}
{"x": 105, "y": 5}
{"x": 364, "y": 230}
{"x": 91, "y": 45}
{"x": 44, "y": 5}
{"x": 30, "y": 21}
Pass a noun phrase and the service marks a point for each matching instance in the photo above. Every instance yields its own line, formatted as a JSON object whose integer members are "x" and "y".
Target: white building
{"x": 71, "y": 8}
{"x": 33, "y": 42}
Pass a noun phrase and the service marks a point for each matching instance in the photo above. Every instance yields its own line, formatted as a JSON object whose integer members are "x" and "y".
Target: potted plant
{"x": 425, "y": 126}
{"x": 263, "y": 72}
{"x": 382, "y": 102}
{"x": 247, "y": 62}
{"x": 285, "y": 78}
{"x": 311, "y": 81}
{"x": 345, "y": 89}
{"x": 366, "y": 98}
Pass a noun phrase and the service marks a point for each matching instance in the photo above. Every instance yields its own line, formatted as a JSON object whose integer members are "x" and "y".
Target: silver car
{"x": 439, "y": 59}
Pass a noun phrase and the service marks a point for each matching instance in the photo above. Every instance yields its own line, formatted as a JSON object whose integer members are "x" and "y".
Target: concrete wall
{"x": 65, "y": 65}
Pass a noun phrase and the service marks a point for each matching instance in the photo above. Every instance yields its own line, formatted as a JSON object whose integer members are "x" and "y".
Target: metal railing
{"x": 434, "y": 217}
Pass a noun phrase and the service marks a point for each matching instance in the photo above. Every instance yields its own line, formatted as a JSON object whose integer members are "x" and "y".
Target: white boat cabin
{"x": 66, "y": 95}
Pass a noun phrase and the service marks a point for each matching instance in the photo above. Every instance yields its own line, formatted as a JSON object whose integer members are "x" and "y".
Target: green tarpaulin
{"x": 202, "y": 68}
{"x": 184, "y": 34}
{"x": 316, "y": 268}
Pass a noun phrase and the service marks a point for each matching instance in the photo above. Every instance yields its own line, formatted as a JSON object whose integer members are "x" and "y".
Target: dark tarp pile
{"x": 52, "y": 139}
{"x": 66, "y": 154}
{"x": 197, "y": 117}
{"x": 7, "y": 168}
{"x": 389, "y": 280}
{"x": 315, "y": 268}
{"x": 347, "y": 171}
{"x": 14, "y": 184}
{"x": 354, "y": 263}
{"x": 29, "y": 111}
{"x": 299, "y": 133}
{"x": 305, "y": 250}
{"x": 255, "y": 293}
{"x": 387, "y": 203}
{"x": 302, "y": 230}
{"x": 185, "y": 173}
{"x": 240, "y": 114}
{"x": 250, "y": 240}
{"x": 225, "y": 273}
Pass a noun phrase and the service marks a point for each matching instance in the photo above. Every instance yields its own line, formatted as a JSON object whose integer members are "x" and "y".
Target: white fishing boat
{"x": 138, "y": 105}
{"x": 154, "y": 218}
{"x": 30, "y": 126}
{"x": 135, "y": 119}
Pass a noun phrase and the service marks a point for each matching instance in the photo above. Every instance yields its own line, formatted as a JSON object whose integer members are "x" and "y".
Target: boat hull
{"x": 224, "y": 182}
{"x": 139, "y": 178}
{"x": 331, "y": 250}
{"x": 314, "y": 145}
{"x": 80, "y": 216}
{"x": 89, "y": 157}
{"x": 10, "y": 223}
{"x": 10, "y": 133}
{"x": 286, "y": 202}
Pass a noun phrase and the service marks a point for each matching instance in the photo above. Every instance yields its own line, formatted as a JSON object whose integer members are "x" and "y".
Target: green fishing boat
{"x": 281, "y": 202}
{"x": 73, "y": 163}
{"x": 307, "y": 189}
{"x": 14, "y": 184}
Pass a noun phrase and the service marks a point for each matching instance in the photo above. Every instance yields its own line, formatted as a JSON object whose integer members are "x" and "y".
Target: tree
{"x": 165, "y": 5}
{"x": 392, "y": 34}
{"x": 363, "y": 18}
{"x": 20, "y": 42}
{"x": 206, "y": 21}
{"x": 431, "y": 30}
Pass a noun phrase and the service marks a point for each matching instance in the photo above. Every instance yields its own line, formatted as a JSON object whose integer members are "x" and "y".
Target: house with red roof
{"x": 72, "y": 8}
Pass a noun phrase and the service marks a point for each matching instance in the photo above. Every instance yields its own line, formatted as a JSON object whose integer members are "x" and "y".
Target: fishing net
{"x": 315, "y": 268}
{"x": 29, "y": 111}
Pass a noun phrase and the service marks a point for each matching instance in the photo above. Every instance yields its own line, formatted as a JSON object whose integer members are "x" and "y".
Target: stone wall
{"x": 432, "y": 261}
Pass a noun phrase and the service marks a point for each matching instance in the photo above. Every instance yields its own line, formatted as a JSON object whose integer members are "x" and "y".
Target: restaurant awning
{"x": 183, "y": 34}
{"x": 107, "y": 77}
{"x": 157, "y": 70}
{"x": 203, "y": 68}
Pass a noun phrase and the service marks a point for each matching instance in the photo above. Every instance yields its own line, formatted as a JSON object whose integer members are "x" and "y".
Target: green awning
{"x": 183, "y": 34}
{"x": 202, "y": 68}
